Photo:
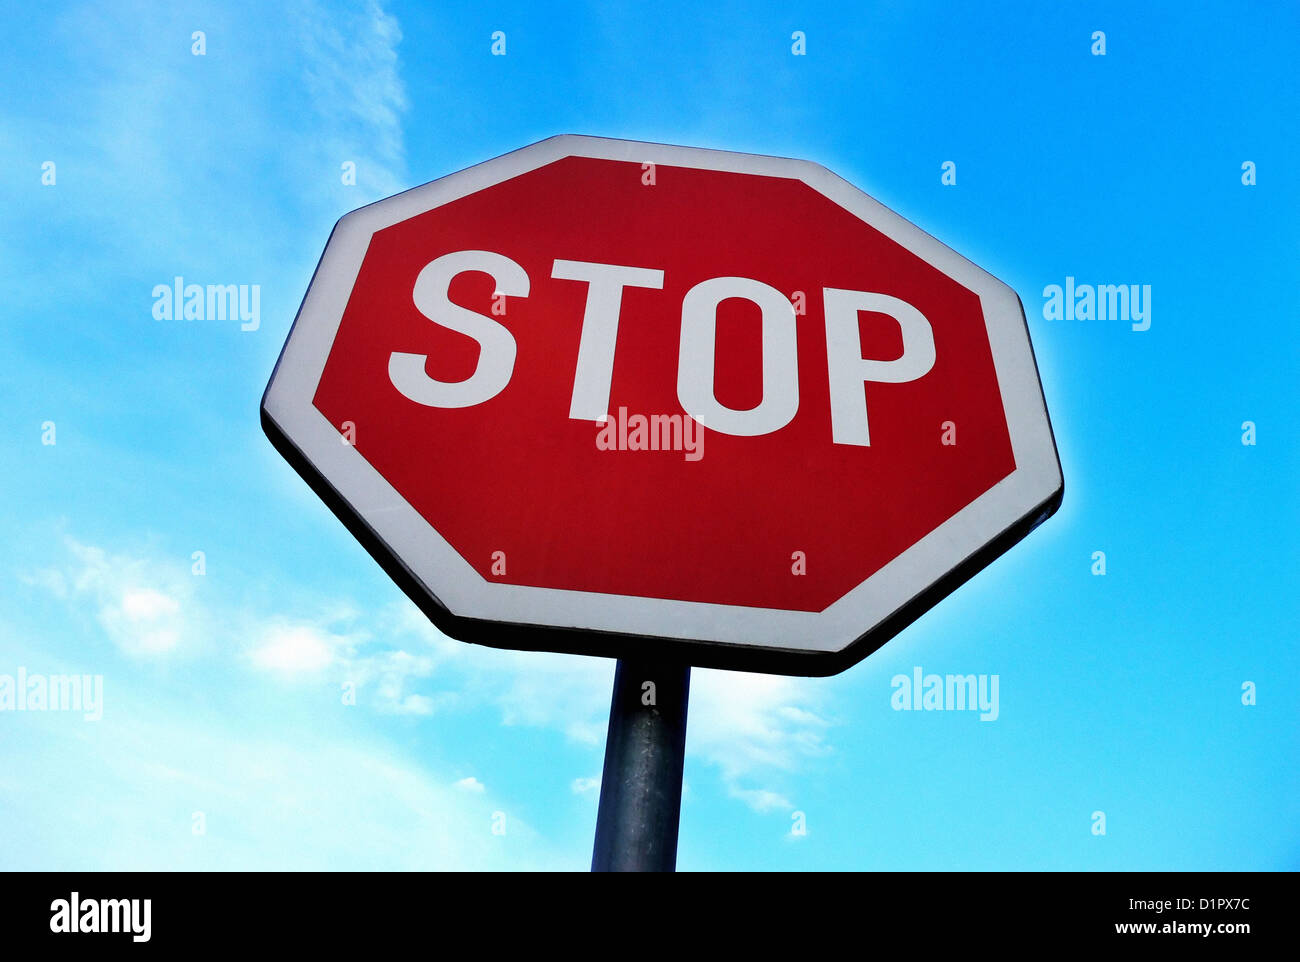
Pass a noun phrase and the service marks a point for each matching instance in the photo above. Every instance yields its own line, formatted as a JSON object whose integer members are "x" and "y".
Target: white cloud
{"x": 581, "y": 786}
{"x": 762, "y": 800}
{"x": 297, "y": 649}
{"x": 50, "y": 579}
{"x": 413, "y": 705}
{"x": 156, "y": 140}
{"x": 746, "y": 722}
{"x": 270, "y": 800}
{"x": 541, "y": 690}
{"x": 390, "y": 674}
{"x": 471, "y": 784}
{"x": 753, "y": 726}
{"x": 755, "y": 729}
{"x": 144, "y": 606}
{"x": 351, "y": 71}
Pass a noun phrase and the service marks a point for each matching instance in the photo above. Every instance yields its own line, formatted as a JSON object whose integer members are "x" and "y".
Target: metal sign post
{"x": 641, "y": 787}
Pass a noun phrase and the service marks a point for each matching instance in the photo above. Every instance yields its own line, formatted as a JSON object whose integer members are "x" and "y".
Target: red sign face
{"x": 595, "y": 392}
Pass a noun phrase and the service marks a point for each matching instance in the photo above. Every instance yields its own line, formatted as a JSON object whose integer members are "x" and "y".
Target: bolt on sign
{"x": 637, "y": 400}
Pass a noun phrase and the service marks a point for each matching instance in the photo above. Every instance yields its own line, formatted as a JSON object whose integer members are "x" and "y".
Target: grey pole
{"x": 641, "y": 788}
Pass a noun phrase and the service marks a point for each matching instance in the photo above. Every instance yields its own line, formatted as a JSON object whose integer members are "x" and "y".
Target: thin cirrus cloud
{"x": 143, "y": 607}
{"x": 762, "y": 800}
{"x": 151, "y": 137}
{"x": 179, "y": 790}
{"x": 352, "y": 73}
{"x": 751, "y": 728}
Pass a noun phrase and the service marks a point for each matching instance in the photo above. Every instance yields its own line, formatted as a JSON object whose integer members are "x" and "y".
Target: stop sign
{"x": 631, "y": 399}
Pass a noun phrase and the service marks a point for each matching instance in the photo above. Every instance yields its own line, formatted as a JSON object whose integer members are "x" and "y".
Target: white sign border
{"x": 458, "y": 587}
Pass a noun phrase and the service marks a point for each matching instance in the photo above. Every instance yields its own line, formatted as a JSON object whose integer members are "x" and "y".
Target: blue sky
{"x": 1119, "y": 693}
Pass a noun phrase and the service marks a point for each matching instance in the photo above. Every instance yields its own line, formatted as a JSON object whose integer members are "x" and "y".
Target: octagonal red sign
{"x": 609, "y": 397}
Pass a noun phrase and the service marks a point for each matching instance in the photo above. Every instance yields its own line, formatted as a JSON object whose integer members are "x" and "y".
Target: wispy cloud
{"x": 145, "y": 607}
{"x": 295, "y": 650}
{"x": 762, "y": 800}
{"x": 149, "y": 138}
{"x": 352, "y": 73}
{"x": 747, "y": 722}
{"x": 753, "y": 728}
{"x": 180, "y": 791}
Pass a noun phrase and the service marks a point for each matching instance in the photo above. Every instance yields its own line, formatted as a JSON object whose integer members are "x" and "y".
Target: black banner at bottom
{"x": 130, "y": 911}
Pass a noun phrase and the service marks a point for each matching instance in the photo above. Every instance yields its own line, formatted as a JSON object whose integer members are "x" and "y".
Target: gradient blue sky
{"x": 1119, "y": 693}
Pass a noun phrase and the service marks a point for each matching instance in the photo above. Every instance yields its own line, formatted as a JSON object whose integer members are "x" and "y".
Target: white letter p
{"x": 849, "y": 370}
